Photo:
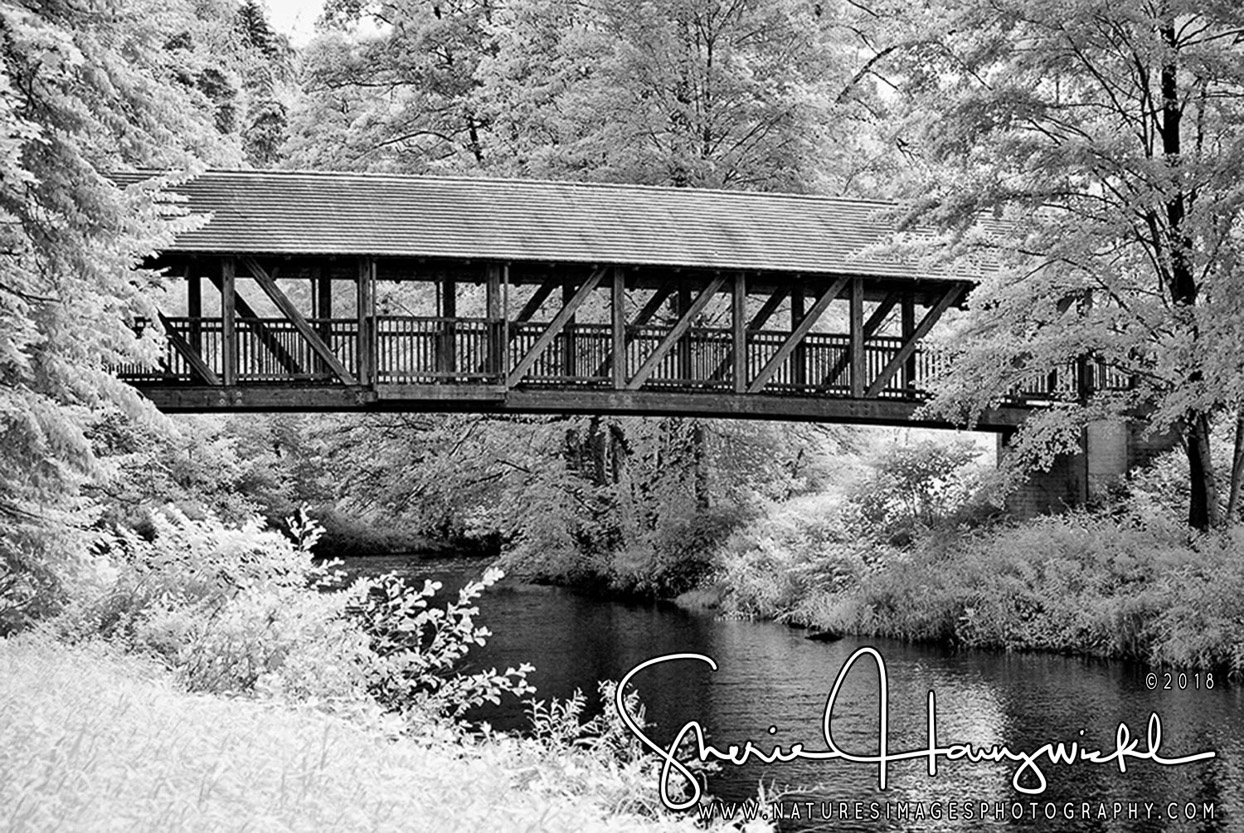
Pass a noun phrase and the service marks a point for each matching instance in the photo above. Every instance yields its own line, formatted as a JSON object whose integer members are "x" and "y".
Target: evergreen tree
{"x": 82, "y": 92}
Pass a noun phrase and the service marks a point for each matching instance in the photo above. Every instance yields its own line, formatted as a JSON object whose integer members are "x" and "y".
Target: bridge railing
{"x": 419, "y": 350}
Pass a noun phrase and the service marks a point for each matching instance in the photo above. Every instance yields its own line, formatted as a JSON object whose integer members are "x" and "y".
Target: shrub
{"x": 419, "y": 647}
{"x": 243, "y": 611}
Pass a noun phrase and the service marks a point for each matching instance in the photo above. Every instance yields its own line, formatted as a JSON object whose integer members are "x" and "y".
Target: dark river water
{"x": 772, "y": 683}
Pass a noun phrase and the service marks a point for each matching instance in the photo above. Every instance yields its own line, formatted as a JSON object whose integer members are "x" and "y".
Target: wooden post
{"x": 504, "y": 369}
{"x": 949, "y": 297}
{"x": 908, "y": 313}
{"x": 858, "y": 363}
{"x": 793, "y": 340}
{"x": 228, "y": 321}
{"x": 322, "y": 309}
{"x": 569, "y": 363}
{"x": 447, "y": 361}
{"x": 492, "y": 312}
{"x": 194, "y": 307}
{"x": 684, "y": 343}
{"x": 618, "y": 328}
{"x": 738, "y": 320}
{"x": 524, "y": 364}
{"x": 799, "y": 374}
{"x": 365, "y": 288}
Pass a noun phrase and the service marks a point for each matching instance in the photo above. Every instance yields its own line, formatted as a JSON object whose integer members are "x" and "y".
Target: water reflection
{"x": 771, "y": 676}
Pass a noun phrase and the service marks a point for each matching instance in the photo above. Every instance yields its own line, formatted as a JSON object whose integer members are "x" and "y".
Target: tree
{"x": 397, "y": 97}
{"x": 1108, "y": 136}
{"x": 82, "y": 91}
{"x": 703, "y": 93}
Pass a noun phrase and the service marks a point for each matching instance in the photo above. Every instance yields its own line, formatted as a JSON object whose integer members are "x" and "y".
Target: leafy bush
{"x": 243, "y": 611}
{"x": 418, "y": 648}
{"x": 911, "y": 487}
{"x": 802, "y": 550}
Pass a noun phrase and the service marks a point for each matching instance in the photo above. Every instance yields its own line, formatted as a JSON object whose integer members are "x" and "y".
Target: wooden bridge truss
{"x": 278, "y": 333}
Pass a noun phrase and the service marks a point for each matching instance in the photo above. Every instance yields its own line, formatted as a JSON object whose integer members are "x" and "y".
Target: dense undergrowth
{"x": 1126, "y": 580}
{"x": 209, "y": 676}
{"x": 96, "y": 740}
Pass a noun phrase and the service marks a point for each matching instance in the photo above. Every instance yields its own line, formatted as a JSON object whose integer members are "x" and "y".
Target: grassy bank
{"x": 199, "y": 679}
{"x": 95, "y": 741}
{"x": 1125, "y": 585}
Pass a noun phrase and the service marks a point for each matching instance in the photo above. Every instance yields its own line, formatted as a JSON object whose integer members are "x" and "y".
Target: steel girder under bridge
{"x": 306, "y": 292}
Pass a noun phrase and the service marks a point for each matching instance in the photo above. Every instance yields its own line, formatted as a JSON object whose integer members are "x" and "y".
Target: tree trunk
{"x": 1203, "y": 510}
{"x": 1237, "y": 470}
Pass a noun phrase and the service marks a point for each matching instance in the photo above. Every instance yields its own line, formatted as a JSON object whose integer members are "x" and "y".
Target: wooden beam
{"x": 738, "y": 320}
{"x": 768, "y": 308}
{"x": 183, "y": 398}
{"x": 792, "y": 341}
{"x": 909, "y": 346}
{"x": 492, "y": 311}
{"x": 684, "y": 343}
{"x": 569, "y": 349}
{"x": 266, "y": 337}
{"x": 228, "y": 320}
{"x": 555, "y": 326}
{"x": 654, "y": 304}
{"x": 446, "y": 348}
{"x": 874, "y": 322}
{"x": 676, "y": 332}
{"x": 908, "y": 316}
{"x": 537, "y": 300}
{"x": 758, "y": 320}
{"x": 194, "y": 307}
{"x": 187, "y": 352}
{"x": 322, "y": 303}
{"x": 365, "y": 309}
{"x": 295, "y": 317}
{"x": 616, "y": 360}
{"x": 859, "y": 363}
{"x": 799, "y": 375}
{"x": 641, "y": 318}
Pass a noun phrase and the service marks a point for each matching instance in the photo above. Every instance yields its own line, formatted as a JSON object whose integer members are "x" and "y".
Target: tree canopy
{"x": 1108, "y": 136}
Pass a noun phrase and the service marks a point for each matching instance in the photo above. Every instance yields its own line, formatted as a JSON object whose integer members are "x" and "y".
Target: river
{"x": 771, "y": 687}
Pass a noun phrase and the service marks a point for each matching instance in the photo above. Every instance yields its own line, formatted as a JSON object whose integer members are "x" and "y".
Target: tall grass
{"x": 97, "y": 741}
{"x": 1111, "y": 585}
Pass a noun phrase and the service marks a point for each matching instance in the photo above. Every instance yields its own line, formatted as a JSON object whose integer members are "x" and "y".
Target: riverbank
{"x": 96, "y": 740}
{"x": 1125, "y": 586}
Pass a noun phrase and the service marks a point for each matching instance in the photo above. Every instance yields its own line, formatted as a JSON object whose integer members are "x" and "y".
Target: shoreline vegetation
{"x": 913, "y": 550}
{"x": 1079, "y": 584}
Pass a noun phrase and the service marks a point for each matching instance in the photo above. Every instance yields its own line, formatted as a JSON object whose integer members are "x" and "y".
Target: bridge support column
{"x": 1108, "y": 451}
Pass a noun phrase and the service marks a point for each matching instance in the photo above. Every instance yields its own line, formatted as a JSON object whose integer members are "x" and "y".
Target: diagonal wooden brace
{"x": 537, "y": 300}
{"x": 643, "y": 317}
{"x": 676, "y": 332}
{"x": 182, "y": 347}
{"x": 953, "y": 294}
{"x": 761, "y": 317}
{"x": 286, "y": 306}
{"x": 555, "y": 326}
{"x": 270, "y": 342}
{"x": 796, "y": 336}
{"x": 874, "y": 322}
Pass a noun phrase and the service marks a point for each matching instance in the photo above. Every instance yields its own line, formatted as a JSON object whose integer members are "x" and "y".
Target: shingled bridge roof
{"x": 297, "y": 213}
